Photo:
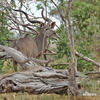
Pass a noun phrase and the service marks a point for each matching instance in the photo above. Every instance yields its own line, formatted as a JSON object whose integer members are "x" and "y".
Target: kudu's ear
{"x": 27, "y": 34}
{"x": 53, "y": 24}
{"x": 41, "y": 25}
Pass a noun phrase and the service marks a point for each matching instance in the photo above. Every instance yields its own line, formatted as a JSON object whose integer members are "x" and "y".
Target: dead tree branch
{"x": 35, "y": 82}
{"x": 32, "y": 21}
{"x": 87, "y": 59}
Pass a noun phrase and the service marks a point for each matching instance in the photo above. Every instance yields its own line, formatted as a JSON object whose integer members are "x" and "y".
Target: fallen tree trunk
{"x": 35, "y": 79}
{"x": 35, "y": 82}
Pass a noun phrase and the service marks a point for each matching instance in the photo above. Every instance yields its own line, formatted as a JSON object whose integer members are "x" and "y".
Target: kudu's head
{"x": 47, "y": 27}
{"x": 46, "y": 31}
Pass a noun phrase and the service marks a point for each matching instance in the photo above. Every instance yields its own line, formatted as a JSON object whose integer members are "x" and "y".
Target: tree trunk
{"x": 73, "y": 88}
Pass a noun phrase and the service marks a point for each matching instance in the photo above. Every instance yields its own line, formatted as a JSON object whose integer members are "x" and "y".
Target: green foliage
{"x": 4, "y": 35}
{"x": 38, "y": 6}
{"x": 1, "y": 66}
{"x": 85, "y": 16}
{"x": 4, "y": 32}
{"x": 63, "y": 47}
{"x": 7, "y": 66}
{"x": 60, "y": 66}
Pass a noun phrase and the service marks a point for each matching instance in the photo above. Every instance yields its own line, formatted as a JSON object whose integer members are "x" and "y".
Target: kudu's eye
{"x": 46, "y": 29}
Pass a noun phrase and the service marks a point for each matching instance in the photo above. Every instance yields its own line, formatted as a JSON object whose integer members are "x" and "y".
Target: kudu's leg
{"x": 15, "y": 65}
{"x": 45, "y": 57}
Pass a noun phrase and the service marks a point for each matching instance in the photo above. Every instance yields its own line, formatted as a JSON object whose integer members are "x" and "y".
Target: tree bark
{"x": 70, "y": 36}
{"x": 48, "y": 81}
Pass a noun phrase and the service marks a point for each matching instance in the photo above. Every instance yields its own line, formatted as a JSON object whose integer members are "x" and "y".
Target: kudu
{"x": 34, "y": 47}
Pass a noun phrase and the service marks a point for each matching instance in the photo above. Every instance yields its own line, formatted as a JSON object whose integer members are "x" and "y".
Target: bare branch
{"x": 87, "y": 59}
{"x": 21, "y": 4}
{"x": 45, "y": 18}
{"x": 24, "y": 25}
{"x": 62, "y": 17}
{"x": 32, "y": 21}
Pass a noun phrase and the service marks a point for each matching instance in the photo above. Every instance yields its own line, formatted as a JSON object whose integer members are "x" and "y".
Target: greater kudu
{"x": 34, "y": 47}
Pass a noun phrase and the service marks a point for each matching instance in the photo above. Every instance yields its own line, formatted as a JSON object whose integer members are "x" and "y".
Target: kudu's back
{"x": 27, "y": 46}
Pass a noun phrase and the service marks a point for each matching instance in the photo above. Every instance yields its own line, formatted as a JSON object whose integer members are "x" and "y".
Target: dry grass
{"x": 25, "y": 96}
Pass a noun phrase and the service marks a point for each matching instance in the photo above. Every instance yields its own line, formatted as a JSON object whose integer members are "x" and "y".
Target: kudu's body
{"x": 32, "y": 47}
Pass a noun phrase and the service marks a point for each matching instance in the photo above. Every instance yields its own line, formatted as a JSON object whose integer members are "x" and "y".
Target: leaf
{"x": 39, "y": 6}
{"x": 12, "y": 2}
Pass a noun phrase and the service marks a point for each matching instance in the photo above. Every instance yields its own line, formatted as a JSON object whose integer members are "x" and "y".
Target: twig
{"x": 32, "y": 21}
{"x": 52, "y": 65}
{"x": 92, "y": 73}
{"x": 62, "y": 17}
{"x": 49, "y": 53}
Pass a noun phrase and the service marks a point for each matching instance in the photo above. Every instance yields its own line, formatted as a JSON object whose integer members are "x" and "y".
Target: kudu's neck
{"x": 41, "y": 42}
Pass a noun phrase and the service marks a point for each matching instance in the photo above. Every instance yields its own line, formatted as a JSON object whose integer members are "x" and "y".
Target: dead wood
{"x": 34, "y": 82}
{"x": 48, "y": 81}
{"x": 87, "y": 59}
{"x": 91, "y": 73}
{"x": 35, "y": 79}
